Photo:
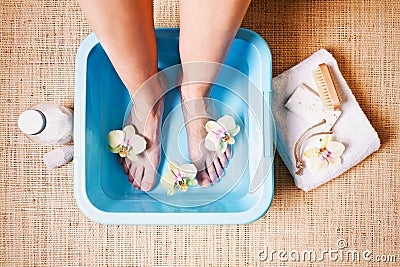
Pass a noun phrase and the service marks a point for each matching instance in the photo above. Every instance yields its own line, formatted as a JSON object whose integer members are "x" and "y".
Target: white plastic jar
{"x": 47, "y": 123}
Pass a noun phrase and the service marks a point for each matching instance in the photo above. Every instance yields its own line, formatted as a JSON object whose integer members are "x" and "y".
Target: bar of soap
{"x": 58, "y": 157}
{"x": 306, "y": 103}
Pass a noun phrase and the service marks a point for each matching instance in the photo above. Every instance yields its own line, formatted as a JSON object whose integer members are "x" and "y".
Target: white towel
{"x": 352, "y": 128}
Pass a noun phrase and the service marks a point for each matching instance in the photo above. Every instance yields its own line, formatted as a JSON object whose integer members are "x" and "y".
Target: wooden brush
{"x": 326, "y": 88}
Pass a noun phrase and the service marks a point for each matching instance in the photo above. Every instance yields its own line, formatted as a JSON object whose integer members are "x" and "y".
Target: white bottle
{"x": 47, "y": 124}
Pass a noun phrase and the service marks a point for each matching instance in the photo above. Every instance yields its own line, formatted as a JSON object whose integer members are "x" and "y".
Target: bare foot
{"x": 210, "y": 165}
{"x": 142, "y": 173}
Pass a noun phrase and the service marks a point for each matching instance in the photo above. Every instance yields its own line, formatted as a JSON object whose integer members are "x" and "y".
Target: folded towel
{"x": 352, "y": 128}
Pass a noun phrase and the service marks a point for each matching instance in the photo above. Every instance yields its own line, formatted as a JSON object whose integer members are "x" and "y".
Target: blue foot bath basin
{"x": 244, "y": 194}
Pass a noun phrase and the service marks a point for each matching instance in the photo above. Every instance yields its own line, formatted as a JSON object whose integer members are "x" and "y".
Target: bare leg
{"x": 207, "y": 32}
{"x": 125, "y": 30}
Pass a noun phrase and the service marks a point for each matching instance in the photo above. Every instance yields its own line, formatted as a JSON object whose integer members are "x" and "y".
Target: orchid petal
{"x": 114, "y": 149}
{"x": 222, "y": 147}
{"x": 132, "y": 156}
{"x": 168, "y": 181}
{"x": 212, "y": 126}
{"x": 171, "y": 192}
{"x": 137, "y": 143}
{"x": 334, "y": 161}
{"x": 173, "y": 166}
{"x": 129, "y": 131}
{"x": 311, "y": 153}
{"x": 189, "y": 169}
{"x": 234, "y": 131}
{"x": 115, "y": 138}
{"x": 227, "y": 122}
{"x": 211, "y": 142}
{"x": 318, "y": 164}
{"x": 192, "y": 182}
{"x": 336, "y": 149}
{"x": 326, "y": 140}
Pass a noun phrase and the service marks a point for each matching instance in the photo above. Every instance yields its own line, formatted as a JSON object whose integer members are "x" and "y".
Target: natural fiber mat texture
{"x": 41, "y": 224}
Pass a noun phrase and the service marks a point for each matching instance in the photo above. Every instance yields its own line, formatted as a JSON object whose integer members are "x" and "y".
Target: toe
{"x": 223, "y": 160}
{"x": 203, "y": 179}
{"x": 131, "y": 175}
{"x": 135, "y": 185}
{"x": 228, "y": 152}
{"x": 218, "y": 168}
{"x": 212, "y": 172}
{"x": 131, "y": 179}
{"x": 148, "y": 179}
{"x": 139, "y": 175}
{"x": 125, "y": 166}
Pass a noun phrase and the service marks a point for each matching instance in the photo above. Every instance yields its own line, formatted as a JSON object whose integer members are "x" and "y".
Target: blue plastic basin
{"x": 102, "y": 190}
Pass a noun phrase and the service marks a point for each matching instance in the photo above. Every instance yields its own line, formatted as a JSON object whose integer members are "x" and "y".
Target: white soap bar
{"x": 306, "y": 103}
{"x": 58, "y": 157}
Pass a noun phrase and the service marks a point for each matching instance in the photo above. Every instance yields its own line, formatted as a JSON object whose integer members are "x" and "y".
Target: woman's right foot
{"x": 197, "y": 110}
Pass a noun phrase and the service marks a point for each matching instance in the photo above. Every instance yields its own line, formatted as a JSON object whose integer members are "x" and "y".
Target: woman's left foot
{"x": 142, "y": 173}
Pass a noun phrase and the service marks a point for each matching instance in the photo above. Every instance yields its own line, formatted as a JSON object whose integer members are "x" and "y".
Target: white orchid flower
{"x": 126, "y": 142}
{"x": 328, "y": 153}
{"x": 179, "y": 177}
{"x": 221, "y": 133}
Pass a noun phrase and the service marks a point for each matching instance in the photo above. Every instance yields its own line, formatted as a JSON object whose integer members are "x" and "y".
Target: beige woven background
{"x": 41, "y": 224}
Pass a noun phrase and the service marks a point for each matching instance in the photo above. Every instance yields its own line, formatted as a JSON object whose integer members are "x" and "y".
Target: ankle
{"x": 197, "y": 108}
{"x": 151, "y": 110}
{"x": 195, "y": 91}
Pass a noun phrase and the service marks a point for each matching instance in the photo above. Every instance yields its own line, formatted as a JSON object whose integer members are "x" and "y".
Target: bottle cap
{"x": 31, "y": 121}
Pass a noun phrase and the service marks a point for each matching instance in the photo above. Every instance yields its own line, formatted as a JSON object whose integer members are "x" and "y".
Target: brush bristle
{"x": 326, "y": 88}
